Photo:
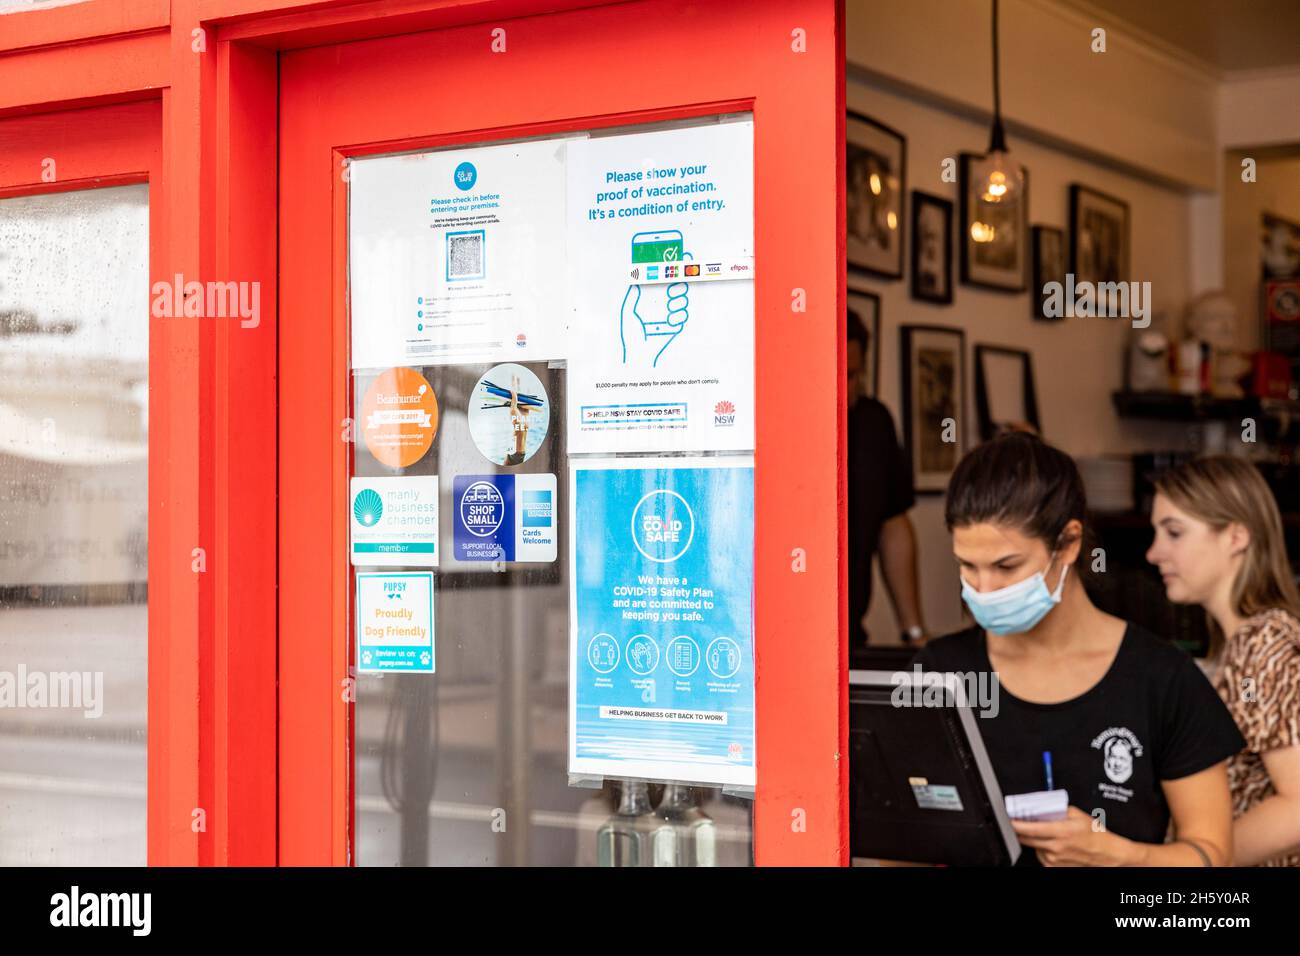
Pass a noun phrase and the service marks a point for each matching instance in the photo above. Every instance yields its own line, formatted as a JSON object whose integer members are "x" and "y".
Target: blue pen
{"x": 1047, "y": 765}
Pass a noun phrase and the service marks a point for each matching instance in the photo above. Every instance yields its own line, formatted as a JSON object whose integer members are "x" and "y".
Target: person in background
{"x": 880, "y": 494}
{"x": 1219, "y": 543}
{"x": 1121, "y": 720}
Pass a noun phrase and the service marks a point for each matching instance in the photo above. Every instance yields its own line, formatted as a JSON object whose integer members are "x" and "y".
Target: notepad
{"x": 1039, "y": 805}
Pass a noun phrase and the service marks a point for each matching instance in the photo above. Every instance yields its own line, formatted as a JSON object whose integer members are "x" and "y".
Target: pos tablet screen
{"x": 921, "y": 788}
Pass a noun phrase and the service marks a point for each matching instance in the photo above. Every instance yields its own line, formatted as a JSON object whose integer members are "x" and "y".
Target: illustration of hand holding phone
{"x": 644, "y": 338}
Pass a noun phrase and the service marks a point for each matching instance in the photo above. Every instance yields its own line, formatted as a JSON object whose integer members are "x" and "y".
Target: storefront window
{"x": 552, "y": 500}
{"x": 74, "y": 350}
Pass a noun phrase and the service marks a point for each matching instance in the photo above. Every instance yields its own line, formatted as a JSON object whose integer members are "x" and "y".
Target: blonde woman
{"x": 1219, "y": 543}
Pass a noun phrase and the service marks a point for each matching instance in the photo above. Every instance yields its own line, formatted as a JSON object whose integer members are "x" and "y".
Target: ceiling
{"x": 1228, "y": 35}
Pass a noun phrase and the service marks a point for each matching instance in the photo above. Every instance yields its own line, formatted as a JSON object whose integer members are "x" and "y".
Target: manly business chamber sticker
{"x": 394, "y": 522}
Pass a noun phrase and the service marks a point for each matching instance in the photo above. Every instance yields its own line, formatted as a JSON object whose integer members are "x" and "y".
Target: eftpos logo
{"x": 724, "y": 414}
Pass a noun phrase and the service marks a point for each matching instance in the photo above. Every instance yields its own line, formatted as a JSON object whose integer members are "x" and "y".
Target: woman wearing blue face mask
{"x": 1136, "y": 735}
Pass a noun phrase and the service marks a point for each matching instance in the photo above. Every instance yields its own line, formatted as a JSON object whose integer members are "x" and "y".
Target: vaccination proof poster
{"x": 661, "y": 265}
{"x": 457, "y": 255}
{"x": 661, "y": 629}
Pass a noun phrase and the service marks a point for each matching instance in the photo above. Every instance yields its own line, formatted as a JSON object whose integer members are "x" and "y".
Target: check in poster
{"x": 661, "y": 642}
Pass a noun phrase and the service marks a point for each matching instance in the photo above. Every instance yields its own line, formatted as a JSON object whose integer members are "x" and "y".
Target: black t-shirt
{"x": 880, "y": 487}
{"x": 1153, "y": 716}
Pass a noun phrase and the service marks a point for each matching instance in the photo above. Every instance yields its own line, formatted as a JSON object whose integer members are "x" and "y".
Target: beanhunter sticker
{"x": 399, "y": 417}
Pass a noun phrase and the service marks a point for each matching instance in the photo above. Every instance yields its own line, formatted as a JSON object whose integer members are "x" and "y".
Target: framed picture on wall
{"x": 994, "y": 239}
{"x": 1279, "y": 253}
{"x": 934, "y": 386}
{"x": 865, "y": 306}
{"x": 931, "y": 248}
{"x": 875, "y": 184}
{"x": 1005, "y": 399}
{"x": 1048, "y": 261}
{"x": 1099, "y": 236}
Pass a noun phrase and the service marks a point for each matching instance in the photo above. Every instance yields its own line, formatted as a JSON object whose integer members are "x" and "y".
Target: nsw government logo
{"x": 724, "y": 414}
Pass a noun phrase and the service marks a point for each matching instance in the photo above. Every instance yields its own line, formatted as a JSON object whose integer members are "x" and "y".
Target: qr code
{"x": 465, "y": 256}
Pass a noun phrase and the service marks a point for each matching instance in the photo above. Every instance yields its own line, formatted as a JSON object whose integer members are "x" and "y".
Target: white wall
{"x": 1259, "y": 108}
{"x": 1136, "y": 103}
{"x": 1077, "y": 362}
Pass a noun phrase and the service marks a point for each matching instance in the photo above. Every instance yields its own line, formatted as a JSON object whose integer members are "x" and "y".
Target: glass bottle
{"x": 694, "y": 830}
{"x": 634, "y": 835}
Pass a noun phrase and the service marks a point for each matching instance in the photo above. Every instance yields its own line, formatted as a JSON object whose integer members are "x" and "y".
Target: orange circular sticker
{"x": 399, "y": 417}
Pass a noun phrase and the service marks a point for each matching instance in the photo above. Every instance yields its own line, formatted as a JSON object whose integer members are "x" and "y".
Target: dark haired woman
{"x": 1128, "y": 724}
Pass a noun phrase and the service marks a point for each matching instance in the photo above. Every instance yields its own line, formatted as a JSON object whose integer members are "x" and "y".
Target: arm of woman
{"x": 1201, "y": 811}
{"x": 1272, "y": 827}
{"x": 1201, "y": 807}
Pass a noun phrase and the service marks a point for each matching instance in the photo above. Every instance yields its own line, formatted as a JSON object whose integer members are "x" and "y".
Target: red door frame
{"x": 574, "y": 70}
{"x": 213, "y": 456}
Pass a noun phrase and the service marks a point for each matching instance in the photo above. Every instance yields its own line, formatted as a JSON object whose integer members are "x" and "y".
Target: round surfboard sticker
{"x": 399, "y": 417}
{"x": 509, "y": 414}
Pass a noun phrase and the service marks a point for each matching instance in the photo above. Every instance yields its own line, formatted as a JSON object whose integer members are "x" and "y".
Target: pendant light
{"x": 999, "y": 180}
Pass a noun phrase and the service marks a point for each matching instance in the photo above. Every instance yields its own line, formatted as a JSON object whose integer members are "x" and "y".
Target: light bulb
{"x": 1001, "y": 180}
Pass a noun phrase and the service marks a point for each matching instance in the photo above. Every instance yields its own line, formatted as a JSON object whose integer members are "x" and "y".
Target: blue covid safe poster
{"x": 662, "y": 623}
{"x": 504, "y": 518}
{"x": 395, "y": 622}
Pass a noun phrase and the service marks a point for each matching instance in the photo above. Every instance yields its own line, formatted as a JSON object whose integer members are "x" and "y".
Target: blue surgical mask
{"x": 1016, "y": 608}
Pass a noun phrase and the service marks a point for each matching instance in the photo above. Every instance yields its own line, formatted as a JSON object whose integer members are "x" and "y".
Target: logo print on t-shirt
{"x": 1119, "y": 747}
{"x": 1119, "y": 759}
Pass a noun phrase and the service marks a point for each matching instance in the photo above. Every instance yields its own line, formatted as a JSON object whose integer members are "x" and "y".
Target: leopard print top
{"x": 1259, "y": 680}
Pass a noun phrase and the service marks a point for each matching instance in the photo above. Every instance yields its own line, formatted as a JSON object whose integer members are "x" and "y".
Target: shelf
{"x": 1171, "y": 406}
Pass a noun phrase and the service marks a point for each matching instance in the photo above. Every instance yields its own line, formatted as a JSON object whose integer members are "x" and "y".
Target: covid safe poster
{"x": 661, "y": 630}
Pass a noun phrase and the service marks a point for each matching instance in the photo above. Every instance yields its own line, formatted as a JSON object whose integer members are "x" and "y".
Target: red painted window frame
{"x": 93, "y": 148}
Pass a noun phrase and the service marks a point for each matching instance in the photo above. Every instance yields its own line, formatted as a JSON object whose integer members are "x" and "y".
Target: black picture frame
{"x": 928, "y": 400}
{"x": 988, "y": 426}
{"x": 1099, "y": 249}
{"x": 867, "y": 306}
{"x": 981, "y": 275}
{"x": 1048, "y": 264}
{"x": 872, "y": 147}
{"x": 924, "y": 280}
